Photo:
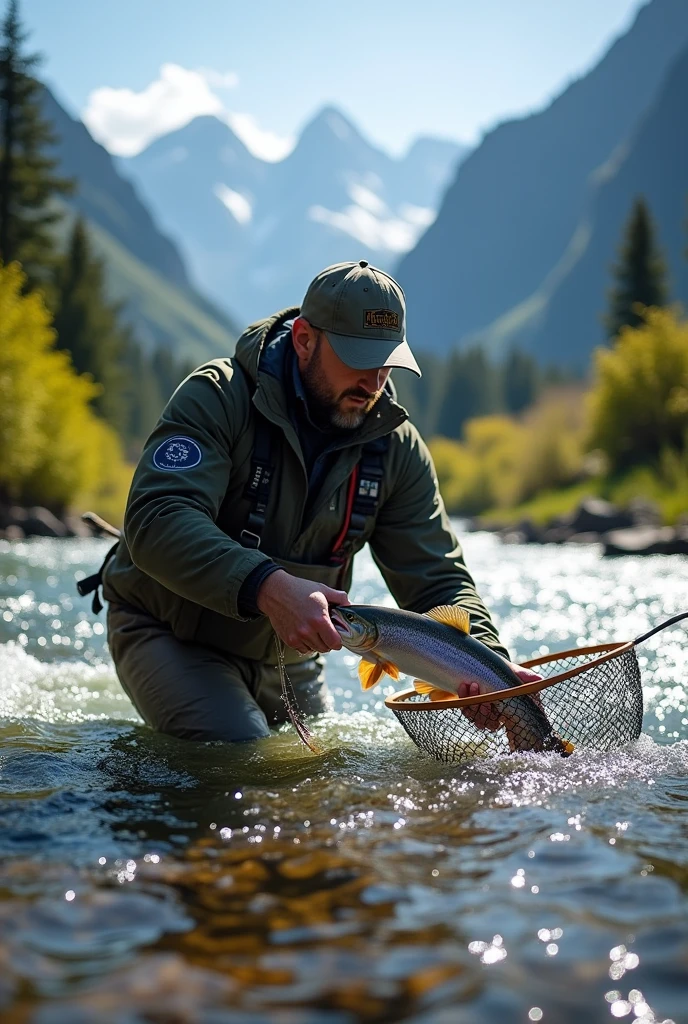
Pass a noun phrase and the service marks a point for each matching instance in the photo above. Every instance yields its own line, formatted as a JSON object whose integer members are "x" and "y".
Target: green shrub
{"x": 54, "y": 446}
{"x": 638, "y": 406}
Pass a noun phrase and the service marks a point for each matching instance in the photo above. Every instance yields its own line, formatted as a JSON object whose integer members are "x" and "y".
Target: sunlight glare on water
{"x": 159, "y": 879}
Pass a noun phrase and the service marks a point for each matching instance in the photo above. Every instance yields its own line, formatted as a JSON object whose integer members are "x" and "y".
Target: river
{"x": 145, "y": 879}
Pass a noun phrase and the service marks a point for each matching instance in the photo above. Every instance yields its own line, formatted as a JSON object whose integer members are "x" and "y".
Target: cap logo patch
{"x": 381, "y": 319}
{"x": 176, "y": 454}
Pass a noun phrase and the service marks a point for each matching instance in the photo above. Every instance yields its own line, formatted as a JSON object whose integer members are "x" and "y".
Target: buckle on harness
{"x": 249, "y": 539}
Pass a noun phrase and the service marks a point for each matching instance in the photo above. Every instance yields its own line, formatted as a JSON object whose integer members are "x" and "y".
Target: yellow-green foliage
{"x": 504, "y": 461}
{"x": 553, "y": 445}
{"x": 54, "y": 448}
{"x": 639, "y": 399}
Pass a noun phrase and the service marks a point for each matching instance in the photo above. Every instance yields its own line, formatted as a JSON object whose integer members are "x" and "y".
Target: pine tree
{"x": 28, "y": 183}
{"x": 143, "y": 397}
{"x": 472, "y": 389}
{"x": 641, "y": 275}
{"x": 88, "y": 325}
{"x": 521, "y": 381}
{"x": 149, "y": 383}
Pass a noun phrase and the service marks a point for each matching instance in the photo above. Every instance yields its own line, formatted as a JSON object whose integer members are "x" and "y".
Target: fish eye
{"x": 349, "y": 616}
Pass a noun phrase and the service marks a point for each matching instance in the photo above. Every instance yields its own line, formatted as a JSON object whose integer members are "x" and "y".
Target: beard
{"x": 325, "y": 404}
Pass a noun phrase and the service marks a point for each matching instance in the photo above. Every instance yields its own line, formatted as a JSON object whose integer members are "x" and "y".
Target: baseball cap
{"x": 363, "y": 311}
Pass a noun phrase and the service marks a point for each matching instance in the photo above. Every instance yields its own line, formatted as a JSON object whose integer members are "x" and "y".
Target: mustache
{"x": 360, "y": 393}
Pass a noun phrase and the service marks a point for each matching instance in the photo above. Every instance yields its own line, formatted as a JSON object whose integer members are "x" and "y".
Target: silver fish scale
{"x": 437, "y": 653}
{"x": 444, "y": 656}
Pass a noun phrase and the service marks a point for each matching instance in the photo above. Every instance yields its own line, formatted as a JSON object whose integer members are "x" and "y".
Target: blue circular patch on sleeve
{"x": 177, "y": 453}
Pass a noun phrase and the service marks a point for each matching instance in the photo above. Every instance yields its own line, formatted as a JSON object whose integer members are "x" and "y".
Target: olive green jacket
{"x": 180, "y": 559}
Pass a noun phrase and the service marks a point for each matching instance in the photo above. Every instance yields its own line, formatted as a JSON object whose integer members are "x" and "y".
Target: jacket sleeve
{"x": 170, "y": 520}
{"x": 415, "y": 547}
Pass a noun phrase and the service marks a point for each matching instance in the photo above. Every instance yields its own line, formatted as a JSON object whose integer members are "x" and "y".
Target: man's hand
{"x": 485, "y": 716}
{"x": 299, "y": 612}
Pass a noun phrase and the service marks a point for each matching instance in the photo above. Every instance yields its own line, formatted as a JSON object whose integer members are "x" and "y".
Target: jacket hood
{"x": 255, "y": 339}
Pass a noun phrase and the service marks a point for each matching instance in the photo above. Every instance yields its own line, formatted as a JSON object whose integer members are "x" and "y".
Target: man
{"x": 264, "y": 475}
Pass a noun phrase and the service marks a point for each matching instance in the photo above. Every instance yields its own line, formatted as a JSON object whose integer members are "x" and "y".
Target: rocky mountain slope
{"x": 516, "y": 218}
{"x": 145, "y": 270}
{"x": 254, "y": 233}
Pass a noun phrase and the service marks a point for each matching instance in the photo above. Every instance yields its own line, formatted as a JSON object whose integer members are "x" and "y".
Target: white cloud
{"x": 263, "y": 144}
{"x": 125, "y": 121}
{"x": 219, "y": 79}
{"x": 237, "y": 204}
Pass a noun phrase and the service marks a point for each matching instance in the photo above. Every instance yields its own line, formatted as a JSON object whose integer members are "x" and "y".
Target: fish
{"x": 438, "y": 652}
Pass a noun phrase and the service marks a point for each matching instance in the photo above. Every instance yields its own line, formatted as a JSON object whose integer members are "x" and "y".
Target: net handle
{"x": 606, "y": 651}
{"x": 663, "y": 625}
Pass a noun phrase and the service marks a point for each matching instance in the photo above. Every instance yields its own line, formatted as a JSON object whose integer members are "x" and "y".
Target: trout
{"x": 438, "y": 652}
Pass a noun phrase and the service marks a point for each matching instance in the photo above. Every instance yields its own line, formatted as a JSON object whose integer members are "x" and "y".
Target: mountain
{"x": 185, "y": 178}
{"x": 144, "y": 269}
{"x": 513, "y": 221}
{"x": 254, "y": 233}
{"x": 654, "y": 166}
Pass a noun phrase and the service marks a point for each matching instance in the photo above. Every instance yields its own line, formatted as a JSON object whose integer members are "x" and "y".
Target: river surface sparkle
{"x": 145, "y": 879}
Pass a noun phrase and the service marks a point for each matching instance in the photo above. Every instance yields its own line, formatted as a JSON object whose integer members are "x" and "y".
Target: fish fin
{"x": 451, "y": 615}
{"x": 370, "y": 673}
{"x": 390, "y": 669}
{"x": 568, "y": 748}
{"x": 432, "y": 691}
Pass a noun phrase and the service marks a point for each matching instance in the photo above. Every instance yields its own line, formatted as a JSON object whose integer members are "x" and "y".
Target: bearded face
{"x": 329, "y": 406}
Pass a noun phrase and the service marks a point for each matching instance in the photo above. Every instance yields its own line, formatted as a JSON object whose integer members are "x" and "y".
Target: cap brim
{"x": 370, "y": 354}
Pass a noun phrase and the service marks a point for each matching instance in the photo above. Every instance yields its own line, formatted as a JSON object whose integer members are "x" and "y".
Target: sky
{"x": 134, "y": 69}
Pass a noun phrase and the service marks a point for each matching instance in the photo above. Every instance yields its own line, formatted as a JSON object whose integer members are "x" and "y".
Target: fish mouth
{"x": 355, "y": 633}
{"x": 340, "y": 623}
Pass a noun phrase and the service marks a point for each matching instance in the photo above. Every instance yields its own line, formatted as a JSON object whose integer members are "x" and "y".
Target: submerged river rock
{"x": 148, "y": 879}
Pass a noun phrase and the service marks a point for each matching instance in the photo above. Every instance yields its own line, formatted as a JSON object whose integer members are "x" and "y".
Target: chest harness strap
{"x": 363, "y": 494}
{"x": 363, "y": 498}
{"x": 257, "y": 490}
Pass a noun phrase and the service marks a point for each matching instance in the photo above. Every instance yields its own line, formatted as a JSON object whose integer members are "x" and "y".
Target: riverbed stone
{"x": 40, "y": 522}
{"x": 647, "y": 540}
{"x": 594, "y": 515}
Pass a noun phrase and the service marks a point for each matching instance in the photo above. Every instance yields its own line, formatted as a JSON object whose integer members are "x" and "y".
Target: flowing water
{"x": 149, "y": 879}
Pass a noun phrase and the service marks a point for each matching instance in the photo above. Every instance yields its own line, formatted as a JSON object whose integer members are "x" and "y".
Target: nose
{"x": 373, "y": 380}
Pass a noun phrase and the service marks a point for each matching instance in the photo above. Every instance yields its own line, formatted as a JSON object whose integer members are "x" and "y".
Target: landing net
{"x": 592, "y": 697}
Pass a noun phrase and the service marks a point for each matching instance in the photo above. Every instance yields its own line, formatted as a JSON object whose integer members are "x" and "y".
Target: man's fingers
{"x": 483, "y": 716}
{"x": 335, "y": 596}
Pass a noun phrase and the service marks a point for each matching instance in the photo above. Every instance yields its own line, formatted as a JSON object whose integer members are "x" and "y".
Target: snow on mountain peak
{"x": 237, "y": 204}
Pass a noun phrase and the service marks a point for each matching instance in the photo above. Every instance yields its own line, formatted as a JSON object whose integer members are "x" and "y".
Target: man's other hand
{"x": 485, "y": 716}
{"x": 299, "y": 612}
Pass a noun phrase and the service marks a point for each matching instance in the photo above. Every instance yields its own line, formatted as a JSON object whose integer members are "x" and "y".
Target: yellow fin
{"x": 420, "y": 687}
{"x": 371, "y": 672}
{"x": 432, "y": 691}
{"x": 452, "y": 615}
{"x": 390, "y": 669}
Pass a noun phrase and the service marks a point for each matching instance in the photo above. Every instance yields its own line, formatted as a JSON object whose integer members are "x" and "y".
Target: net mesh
{"x": 602, "y": 707}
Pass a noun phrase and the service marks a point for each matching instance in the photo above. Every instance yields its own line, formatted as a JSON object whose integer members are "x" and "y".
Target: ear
{"x": 304, "y": 338}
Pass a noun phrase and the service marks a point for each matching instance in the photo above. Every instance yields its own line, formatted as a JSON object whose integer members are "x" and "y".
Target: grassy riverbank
{"x": 623, "y": 436}
{"x": 671, "y": 501}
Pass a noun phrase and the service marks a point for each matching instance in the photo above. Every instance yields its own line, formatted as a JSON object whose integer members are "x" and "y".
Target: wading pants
{"x": 198, "y": 693}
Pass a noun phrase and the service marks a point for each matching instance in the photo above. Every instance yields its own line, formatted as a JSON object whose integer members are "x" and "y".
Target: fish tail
{"x": 559, "y": 745}
{"x": 529, "y": 728}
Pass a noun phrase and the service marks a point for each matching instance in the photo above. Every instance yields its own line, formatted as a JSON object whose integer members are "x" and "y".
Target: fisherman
{"x": 263, "y": 477}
